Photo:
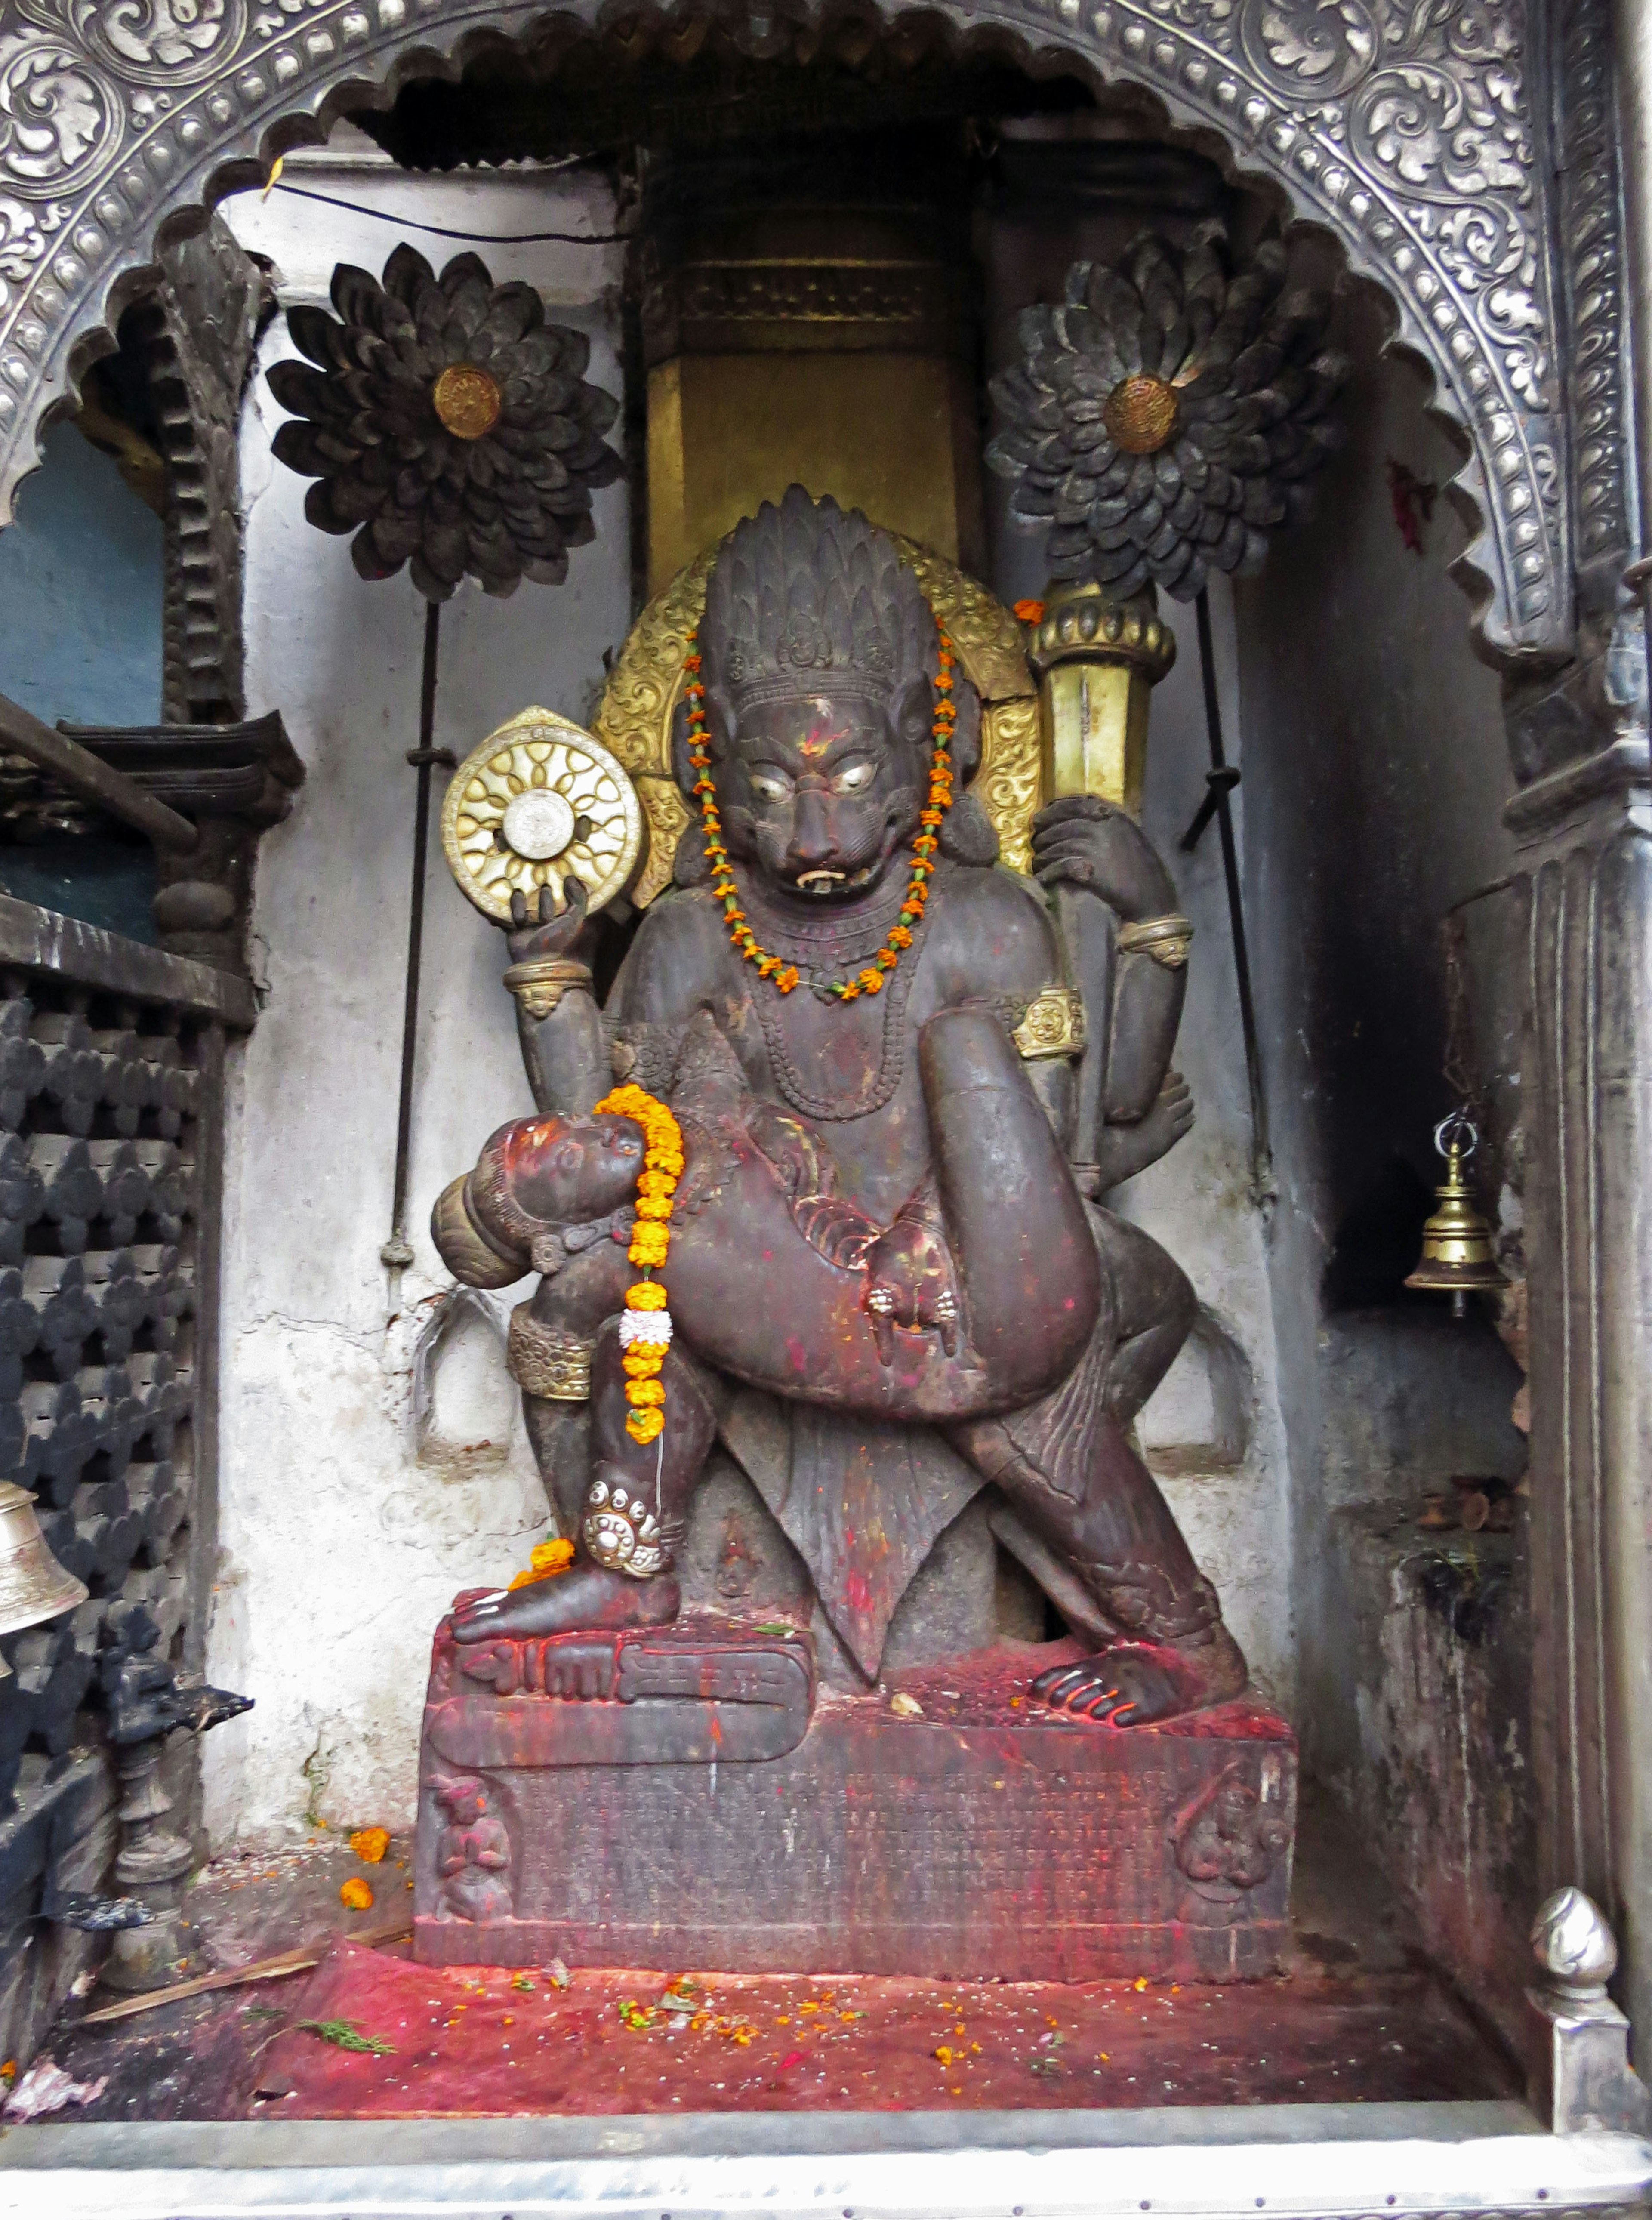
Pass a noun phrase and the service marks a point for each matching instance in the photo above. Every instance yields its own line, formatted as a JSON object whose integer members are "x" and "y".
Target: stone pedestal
{"x": 682, "y": 1799}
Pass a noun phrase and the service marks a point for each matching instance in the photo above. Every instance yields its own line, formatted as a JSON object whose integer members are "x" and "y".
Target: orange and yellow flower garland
{"x": 870, "y": 980}
{"x": 646, "y": 1329}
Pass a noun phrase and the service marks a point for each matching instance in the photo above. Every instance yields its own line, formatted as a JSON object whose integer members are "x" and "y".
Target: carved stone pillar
{"x": 1584, "y": 835}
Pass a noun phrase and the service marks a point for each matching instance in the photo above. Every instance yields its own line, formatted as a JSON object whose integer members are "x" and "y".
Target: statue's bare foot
{"x": 1130, "y": 1684}
{"x": 585, "y": 1598}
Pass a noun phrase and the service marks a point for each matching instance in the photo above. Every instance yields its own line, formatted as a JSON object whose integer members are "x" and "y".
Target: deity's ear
{"x": 682, "y": 770}
{"x": 912, "y": 712}
{"x": 719, "y": 718}
{"x": 967, "y": 834}
{"x": 966, "y": 733}
{"x": 690, "y": 866}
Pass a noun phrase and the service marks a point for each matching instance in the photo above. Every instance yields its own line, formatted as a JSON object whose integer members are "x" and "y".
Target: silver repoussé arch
{"x": 1403, "y": 127}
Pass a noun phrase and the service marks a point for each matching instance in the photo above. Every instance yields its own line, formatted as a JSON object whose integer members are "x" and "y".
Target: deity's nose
{"x": 813, "y": 838}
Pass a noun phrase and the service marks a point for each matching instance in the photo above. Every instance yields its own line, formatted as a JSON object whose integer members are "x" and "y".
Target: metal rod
{"x": 93, "y": 780}
{"x": 1261, "y": 1152}
{"x": 1227, "y": 776}
{"x": 396, "y": 1253}
{"x": 298, "y": 1961}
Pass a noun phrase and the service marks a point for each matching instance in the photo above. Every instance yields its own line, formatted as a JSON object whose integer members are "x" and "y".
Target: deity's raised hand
{"x": 538, "y": 928}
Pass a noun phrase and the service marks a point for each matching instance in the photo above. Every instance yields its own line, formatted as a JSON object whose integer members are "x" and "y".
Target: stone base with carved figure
{"x": 683, "y": 1798}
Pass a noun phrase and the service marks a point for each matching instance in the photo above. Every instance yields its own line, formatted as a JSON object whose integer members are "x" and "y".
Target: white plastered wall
{"x": 349, "y": 1516}
{"x": 361, "y": 1486}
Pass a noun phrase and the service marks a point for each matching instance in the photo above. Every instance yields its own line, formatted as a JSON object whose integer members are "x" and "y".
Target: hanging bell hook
{"x": 1463, "y": 1133}
{"x": 1458, "y": 1258}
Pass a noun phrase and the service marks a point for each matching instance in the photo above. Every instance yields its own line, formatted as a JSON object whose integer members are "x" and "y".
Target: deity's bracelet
{"x": 1164, "y": 938}
{"x": 539, "y": 984}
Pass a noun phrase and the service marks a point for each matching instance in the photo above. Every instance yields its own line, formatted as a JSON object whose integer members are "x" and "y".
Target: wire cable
{"x": 443, "y": 231}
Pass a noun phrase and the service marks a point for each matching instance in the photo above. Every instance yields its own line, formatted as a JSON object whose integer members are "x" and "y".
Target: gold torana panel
{"x": 727, "y": 432}
{"x": 822, "y": 346}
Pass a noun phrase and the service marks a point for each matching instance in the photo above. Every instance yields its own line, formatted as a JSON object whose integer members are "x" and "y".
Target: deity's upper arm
{"x": 999, "y": 939}
{"x": 673, "y": 967}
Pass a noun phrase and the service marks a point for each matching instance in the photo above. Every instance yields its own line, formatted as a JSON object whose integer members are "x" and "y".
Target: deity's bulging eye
{"x": 854, "y": 777}
{"x": 770, "y": 786}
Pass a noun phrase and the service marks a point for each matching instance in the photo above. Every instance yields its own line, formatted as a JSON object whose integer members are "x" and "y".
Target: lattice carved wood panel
{"x": 100, "y": 1203}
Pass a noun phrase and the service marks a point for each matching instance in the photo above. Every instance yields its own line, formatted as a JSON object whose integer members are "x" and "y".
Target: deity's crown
{"x": 809, "y": 595}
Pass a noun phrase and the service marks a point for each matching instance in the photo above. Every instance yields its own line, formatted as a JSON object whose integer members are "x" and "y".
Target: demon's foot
{"x": 1130, "y": 1684}
{"x": 584, "y": 1599}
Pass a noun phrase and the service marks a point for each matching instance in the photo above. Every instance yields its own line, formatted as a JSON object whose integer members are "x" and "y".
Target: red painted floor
{"x": 1361, "y": 2017}
{"x": 471, "y": 2042}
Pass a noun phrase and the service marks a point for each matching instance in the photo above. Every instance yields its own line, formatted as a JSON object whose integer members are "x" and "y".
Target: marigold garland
{"x": 545, "y": 1560}
{"x": 872, "y": 977}
{"x": 646, "y": 1329}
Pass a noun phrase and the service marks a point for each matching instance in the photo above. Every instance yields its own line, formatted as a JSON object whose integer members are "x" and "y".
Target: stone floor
{"x": 1362, "y": 2016}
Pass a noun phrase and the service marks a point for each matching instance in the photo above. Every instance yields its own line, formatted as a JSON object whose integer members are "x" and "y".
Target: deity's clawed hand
{"x": 909, "y": 1285}
{"x": 1083, "y": 841}
{"x": 539, "y": 929}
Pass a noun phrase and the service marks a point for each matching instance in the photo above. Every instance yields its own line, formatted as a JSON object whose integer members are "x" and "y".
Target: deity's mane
{"x": 807, "y": 594}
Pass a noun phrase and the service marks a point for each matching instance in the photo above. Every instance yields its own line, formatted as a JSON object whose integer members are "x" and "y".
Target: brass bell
{"x": 1458, "y": 1259}
{"x": 33, "y": 1585}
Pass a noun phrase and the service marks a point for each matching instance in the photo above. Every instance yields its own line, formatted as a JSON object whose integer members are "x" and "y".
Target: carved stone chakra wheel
{"x": 541, "y": 801}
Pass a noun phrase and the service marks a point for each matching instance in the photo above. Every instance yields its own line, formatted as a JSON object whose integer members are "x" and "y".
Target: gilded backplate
{"x": 537, "y": 751}
{"x": 634, "y": 716}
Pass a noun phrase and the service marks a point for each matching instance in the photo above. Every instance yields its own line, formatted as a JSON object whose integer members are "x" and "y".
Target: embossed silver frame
{"x": 1406, "y": 128}
{"x": 1387, "y": 2161}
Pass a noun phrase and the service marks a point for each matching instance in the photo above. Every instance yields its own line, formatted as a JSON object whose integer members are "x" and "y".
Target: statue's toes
{"x": 1120, "y": 1688}
{"x": 1144, "y": 1691}
{"x": 476, "y": 1621}
{"x": 1098, "y": 1699}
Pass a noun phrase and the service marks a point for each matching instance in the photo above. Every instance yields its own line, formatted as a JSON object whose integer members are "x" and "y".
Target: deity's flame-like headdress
{"x": 807, "y": 596}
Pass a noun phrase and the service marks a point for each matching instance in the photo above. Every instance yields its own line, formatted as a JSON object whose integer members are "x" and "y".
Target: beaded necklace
{"x": 872, "y": 977}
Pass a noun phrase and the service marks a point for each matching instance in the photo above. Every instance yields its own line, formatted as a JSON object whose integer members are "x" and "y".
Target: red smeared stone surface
{"x": 471, "y": 2042}
{"x": 992, "y": 1687}
{"x": 951, "y": 1823}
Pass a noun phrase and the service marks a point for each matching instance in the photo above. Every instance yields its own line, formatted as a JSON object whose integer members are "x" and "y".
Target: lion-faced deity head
{"x": 820, "y": 655}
